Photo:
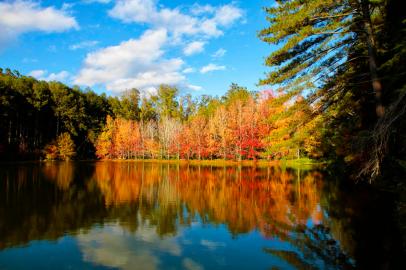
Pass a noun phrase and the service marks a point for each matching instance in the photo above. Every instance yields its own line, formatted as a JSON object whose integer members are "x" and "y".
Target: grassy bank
{"x": 299, "y": 163}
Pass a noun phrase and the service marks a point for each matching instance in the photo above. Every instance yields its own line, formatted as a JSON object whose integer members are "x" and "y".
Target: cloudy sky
{"x": 201, "y": 46}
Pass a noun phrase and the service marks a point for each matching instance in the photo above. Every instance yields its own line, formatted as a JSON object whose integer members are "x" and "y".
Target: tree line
{"x": 237, "y": 126}
{"x": 53, "y": 121}
{"x": 338, "y": 92}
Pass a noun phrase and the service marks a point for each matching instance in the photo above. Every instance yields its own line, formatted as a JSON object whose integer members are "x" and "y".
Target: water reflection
{"x": 115, "y": 247}
{"x": 155, "y": 215}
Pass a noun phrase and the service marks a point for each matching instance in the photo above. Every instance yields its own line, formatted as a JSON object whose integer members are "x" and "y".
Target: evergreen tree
{"x": 330, "y": 52}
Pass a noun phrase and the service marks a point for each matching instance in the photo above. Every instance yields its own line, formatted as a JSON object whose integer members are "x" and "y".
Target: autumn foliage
{"x": 62, "y": 149}
{"x": 241, "y": 125}
{"x": 242, "y": 198}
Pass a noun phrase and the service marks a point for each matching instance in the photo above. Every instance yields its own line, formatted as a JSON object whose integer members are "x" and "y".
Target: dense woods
{"x": 337, "y": 92}
{"x": 53, "y": 121}
{"x": 332, "y": 98}
{"x": 347, "y": 59}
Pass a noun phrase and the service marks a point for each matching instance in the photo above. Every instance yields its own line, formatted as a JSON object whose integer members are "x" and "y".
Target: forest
{"x": 54, "y": 121}
{"x": 331, "y": 95}
{"x": 336, "y": 85}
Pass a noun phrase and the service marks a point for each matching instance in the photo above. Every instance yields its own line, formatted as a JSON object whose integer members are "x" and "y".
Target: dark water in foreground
{"x": 109, "y": 215}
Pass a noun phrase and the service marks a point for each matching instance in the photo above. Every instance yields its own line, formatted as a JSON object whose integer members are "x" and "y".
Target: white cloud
{"x": 61, "y": 76}
{"x": 21, "y": 16}
{"x": 190, "y": 264}
{"x": 226, "y": 15}
{"x": 212, "y": 245}
{"x": 141, "y": 62}
{"x": 194, "y": 87}
{"x": 96, "y": 1}
{"x": 189, "y": 70}
{"x": 211, "y": 67}
{"x": 113, "y": 248}
{"x": 194, "y": 47}
{"x": 197, "y": 9}
{"x": 67, "y": 6}
{"x": 83, "y": 45}
{"x": 174, "y": 20}
{"x": 134, "y": 11}
{"x": 219, "y": 53}
{"x": 135, "y": 63}
{"x": 41, "y": 74}
{"x": 37, "y": 73}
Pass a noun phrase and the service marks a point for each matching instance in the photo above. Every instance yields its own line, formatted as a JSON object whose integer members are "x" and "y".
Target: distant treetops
{"x": 52, "y": 121}
{"x": 239, "y": 125}
{"x": 339, "y": 88}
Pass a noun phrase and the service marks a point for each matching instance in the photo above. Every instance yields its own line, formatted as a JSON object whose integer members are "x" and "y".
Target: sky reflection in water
{"x": 159, "y": 216}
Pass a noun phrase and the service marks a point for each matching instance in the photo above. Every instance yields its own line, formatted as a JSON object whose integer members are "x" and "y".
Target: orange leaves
{"x": 199, "y": 136}
{"x": 233, "y": 129}
{"x": 51, "y": 152}
{"x": 126, "y": 139}
{"x": 187, "y": 142}
{"x": 119, "y": 139}
{"x": 242, "y": 198}
{"x": 241, "y": 125}
{"x": 63, "y": 148}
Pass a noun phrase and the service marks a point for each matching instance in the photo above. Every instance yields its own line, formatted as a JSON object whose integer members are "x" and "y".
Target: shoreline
{"x": 303, "y": 162}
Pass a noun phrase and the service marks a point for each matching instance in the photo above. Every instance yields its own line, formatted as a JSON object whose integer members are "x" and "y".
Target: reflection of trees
{"x": 318, "y": 249}
{"x": 60, "y": 173}
{"x": 144, "y": 186}
{"x": 278, "y": 203}
{"x": 243, "y": 198}
{"x": 361, "y": 219}
{"x": 31, "y": 208}
{"x": 44, "y": 202}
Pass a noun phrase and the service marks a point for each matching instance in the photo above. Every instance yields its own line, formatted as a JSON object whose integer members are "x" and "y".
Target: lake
{"x": 136, "y": 215}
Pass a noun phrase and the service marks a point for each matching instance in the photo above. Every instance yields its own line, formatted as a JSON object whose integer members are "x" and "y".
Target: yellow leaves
{"x": 51, "y": 152}
{"x": 240, "y": 127}
{"x": 66, "y": 146}
{"x": 243, "y": 198}
{"x": 126, "y": 138}
{"x": 120, "y": 138}
{"x": 104, "y": 142}
{"x": 294, "y": 126}
{"x": 63, "y": 148}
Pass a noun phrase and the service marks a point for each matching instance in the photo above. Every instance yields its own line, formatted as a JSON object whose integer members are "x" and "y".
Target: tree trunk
{"x": 376, "y": 82}
{"x": 57, "y": 126}
{"x": 9, "y": 132}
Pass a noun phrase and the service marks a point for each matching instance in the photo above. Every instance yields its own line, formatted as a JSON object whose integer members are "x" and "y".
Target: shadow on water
{"x": 362, "y": 219}
{"x": 304, "y": 221}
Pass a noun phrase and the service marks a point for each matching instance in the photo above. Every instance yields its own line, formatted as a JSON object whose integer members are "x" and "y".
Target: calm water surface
{"x": 119, "y": 215}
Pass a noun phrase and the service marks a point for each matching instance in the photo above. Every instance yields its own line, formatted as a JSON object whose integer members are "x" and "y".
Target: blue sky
{"x": 200, "y": 46}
